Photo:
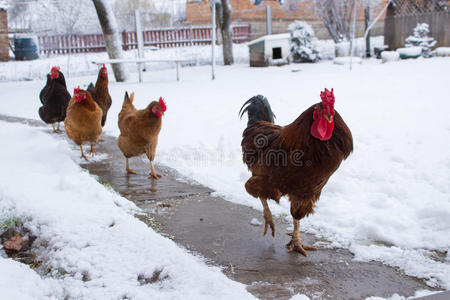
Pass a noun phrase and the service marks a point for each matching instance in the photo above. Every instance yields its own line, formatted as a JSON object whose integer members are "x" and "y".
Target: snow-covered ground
{"x": 90, "y": 242}
{"x": 389, "y": 202}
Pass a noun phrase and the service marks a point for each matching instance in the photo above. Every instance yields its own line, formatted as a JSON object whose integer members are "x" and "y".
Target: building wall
{"x": 4, "y": 42}
{"x": 244, "y": 11}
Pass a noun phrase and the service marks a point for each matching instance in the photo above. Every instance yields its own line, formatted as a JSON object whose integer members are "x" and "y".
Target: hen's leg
{"x": 296, "y": 243}
{"x": 54, "y": 129}
{"x": 58, "y": 129}
{"x": 93, "y": 151}
{"x": 128, "y": 170}
{"x": 153, "y": 173}
{"x": 267, "y": 217}
{"x": 82, "y": 153}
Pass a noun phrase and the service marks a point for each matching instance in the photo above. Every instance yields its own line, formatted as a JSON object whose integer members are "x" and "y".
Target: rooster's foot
{"x": 296, "y": 245}
{"x": 84, "y": 156}
{"x": 130, "y": 171}
{"x": 268, "y": 222}
{"x": 154, "y": 176}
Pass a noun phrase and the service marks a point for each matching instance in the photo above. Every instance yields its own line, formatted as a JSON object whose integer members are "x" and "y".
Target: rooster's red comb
{"x": 162, "y": 104}
{"x": 327, "y": 97}
{"x": 104, "y": 66}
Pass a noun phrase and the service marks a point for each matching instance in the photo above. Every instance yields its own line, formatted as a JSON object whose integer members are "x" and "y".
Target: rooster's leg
{"x": 296, "y": 243}
{"x": 54, "y": 129}
{"x": 82, "y": 153}
{"x": 93, "y": 151}
{"x": 128, "y": 170}
{"x": 267, "y": 217}
{"x": 153, "y": 173}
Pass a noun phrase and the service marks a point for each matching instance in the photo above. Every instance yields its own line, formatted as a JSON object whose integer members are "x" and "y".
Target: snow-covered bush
{"x": 302, "y": 41}
{"x": 421, "y": 39}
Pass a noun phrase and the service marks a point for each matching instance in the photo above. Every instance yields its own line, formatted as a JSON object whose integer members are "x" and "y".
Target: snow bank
{"x": 442, "y": 51}
{"x": 88, "y": 239}
{"x": 389, "y": 56}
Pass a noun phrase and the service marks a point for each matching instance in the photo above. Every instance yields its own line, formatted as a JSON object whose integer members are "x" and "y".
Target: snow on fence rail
{"x": 163, "y": 38}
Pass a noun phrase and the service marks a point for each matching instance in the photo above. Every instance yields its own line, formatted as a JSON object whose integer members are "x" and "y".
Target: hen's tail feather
{"x": 90, "y": 88}
{"x": 258, "y": 109}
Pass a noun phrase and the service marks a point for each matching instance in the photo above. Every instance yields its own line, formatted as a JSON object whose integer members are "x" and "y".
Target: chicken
{"x": 83, "y": 118}
{"x": 100, "y": 92}
{"x": 294, "y": 160}
{"x": 54, "y": 98}
{"x": 139, "y": 131}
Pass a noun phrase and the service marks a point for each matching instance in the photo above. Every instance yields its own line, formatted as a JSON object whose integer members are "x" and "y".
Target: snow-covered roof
{"x": 281, "y": 36}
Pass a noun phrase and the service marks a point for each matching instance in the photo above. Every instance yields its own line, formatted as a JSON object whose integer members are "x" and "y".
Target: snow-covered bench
{"x": 140, "y": 61}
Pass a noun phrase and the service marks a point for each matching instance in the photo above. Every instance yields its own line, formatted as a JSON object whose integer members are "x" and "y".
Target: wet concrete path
{"x": 221, "y": 232}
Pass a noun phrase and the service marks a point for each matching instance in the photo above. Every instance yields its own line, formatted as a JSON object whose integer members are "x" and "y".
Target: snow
{"x": 389, "y": 202}
{"x": 347, "y": 60}
{"x": 417, "y": 294}
{"x": 442, "y": 51}
{"x": 410, "y": 51}
{"x": 88, "y": 238}
{"x": 389, "y": 56}
{"x": 256, "y": 222}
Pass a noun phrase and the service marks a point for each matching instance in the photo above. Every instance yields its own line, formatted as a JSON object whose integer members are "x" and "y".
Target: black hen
{"x": 54, "y": 98}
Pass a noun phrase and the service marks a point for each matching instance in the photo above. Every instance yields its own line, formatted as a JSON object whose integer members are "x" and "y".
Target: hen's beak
{"x": 328, "y": 118}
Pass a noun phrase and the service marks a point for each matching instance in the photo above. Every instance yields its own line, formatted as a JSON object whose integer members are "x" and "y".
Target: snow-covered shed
{"x": 268, "y": 48}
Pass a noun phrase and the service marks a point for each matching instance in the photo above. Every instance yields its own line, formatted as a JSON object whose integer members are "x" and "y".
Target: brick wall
{"x": 4, "y": 42}
{"x": 244, "y": 11}
{"x": 198, "y": 12}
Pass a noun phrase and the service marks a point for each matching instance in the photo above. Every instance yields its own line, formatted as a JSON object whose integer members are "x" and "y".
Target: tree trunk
{"x": 227, "y": 33}
{"x": 111, "y": 35}
{"x": 366, "y": 23}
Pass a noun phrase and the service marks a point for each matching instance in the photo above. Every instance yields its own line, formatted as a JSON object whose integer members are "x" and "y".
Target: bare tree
{"x": 336, "y": 16}
{"x": 227, "y": 33}
{"x": 366, "y": 26}
{"x": 223, "y": 22}
{"x": 111, "y": 35}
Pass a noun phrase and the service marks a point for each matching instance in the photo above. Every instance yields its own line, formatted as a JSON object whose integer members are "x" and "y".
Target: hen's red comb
{"x": 162, "y": 104}
{"x": 55, "y": 68}
{"x": 327, "y": 97}
{"x": 78, "y": 97}
{"x": 104, "y": 66}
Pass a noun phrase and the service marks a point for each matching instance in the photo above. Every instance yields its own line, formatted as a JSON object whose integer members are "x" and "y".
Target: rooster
{"x": 82, "y": 122}
{"x": 54, "y": 98}
{"x": 295, "y": 160}
{"x": 139, "y": 131}
{"x": 100, "y": 92}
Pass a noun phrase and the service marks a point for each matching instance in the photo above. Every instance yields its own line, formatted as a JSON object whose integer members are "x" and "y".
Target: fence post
{"x": 124, "y": 40}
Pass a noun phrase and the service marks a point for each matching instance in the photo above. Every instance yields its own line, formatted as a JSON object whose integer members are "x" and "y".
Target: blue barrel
{"x": 25, "y": 48}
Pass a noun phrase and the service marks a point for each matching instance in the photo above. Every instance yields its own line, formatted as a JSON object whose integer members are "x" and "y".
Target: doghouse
{"x": 269, "y": 50}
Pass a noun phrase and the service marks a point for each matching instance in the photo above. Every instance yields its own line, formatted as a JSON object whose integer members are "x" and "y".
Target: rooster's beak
{"x": 328, "y": 118}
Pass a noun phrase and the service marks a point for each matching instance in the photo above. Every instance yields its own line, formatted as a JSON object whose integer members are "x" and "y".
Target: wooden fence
{"x": 398, "y": 28}
{"x": 162, "y": 38}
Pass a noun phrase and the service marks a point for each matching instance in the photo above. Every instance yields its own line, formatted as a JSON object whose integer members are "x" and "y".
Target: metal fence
{"x": 162, "y": 38}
